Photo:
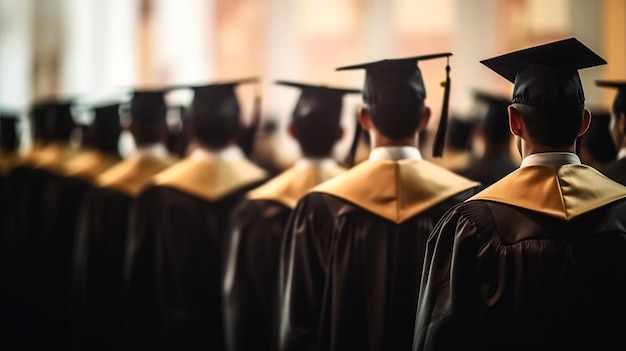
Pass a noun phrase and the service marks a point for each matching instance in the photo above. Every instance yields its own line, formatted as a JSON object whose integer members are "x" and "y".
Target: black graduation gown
{"x": 7, "y": 162}
{"x": 252, "y": 261}
{"x": 99, "y": 252}
{"x": 20, "y": 304}
{"x": 535, "y": 262}
{"x": 174, "y": 255}
{"x": 488, "y": 169}
{"x": 615, "y": 170}
{"x": 353, "y": 253}
{"x": 67, "y": 190}
{"x": 38, "y": 298}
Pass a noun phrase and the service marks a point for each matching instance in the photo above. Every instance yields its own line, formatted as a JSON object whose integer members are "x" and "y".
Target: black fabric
{"x": 619, "y": 101}
{"x": 546, "y": 75}
{"x": 498, "y": 277}
{"x": 173, "y": 270}
{"x": 251, "y": 275}
{"x": 20, "y": 247}
{"x": 40, "y": 229}
{"x": 349, "y": 278}
{"x": 489, "y": 168}
{"x": 98, "y": 269}
{"x": 615, "y": 170}
{"x": 394, "y": 81}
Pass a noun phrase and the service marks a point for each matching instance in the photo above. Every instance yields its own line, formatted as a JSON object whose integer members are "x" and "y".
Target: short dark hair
{"x": 397, "y": 121}
{"x": 552, "y": 126}
{"x": 316, "y": 138}
{"x": 212, "y": 129}
{"x": 148, "y": 132}
{"x": 619, "y": 105}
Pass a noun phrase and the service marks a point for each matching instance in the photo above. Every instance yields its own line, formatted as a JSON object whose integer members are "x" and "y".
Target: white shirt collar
{"x": 232, "y": 152}
{"x": 554, "y": 159}
{"x": 621, "y": 153}
{"x": 393, "y": 153}
{"x": 154, "y": 150}
{"x": 310, "y": 162}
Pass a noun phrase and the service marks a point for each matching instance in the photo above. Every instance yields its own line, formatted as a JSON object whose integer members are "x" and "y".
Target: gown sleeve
{"x": 140, "y": 299}
{"x": 303, "y": 273}
{"x": 447, "y": 317}
{"x": 251, "y": 274}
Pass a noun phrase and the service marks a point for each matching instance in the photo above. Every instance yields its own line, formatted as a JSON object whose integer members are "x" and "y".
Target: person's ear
{"x": 340, "y": 133}
{"x": 584, "y": 124}
{"x": 364, "y": 118}
{"x": 621, "y": 122}
{"x": 425, "y": 118}
{"x": 291, "y": 131}
{"x": 515, "y": 122}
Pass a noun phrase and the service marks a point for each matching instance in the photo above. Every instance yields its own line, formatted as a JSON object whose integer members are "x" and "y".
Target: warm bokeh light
{"x": 76, "y": 47}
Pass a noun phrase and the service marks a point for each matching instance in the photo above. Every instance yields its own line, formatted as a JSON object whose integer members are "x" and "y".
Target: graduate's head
{"x": 394, "y": 96}
{"x": 459, "y": 133}
{"x": 104, "y": 131}
{"x": 148, "y": 112}
{"x": 37, "y": 118}
{"x": 493, "y": 119}
{"x": 9, "y": 137}
{"x": 215, "y": 114}
{"x": 617, "y": 125}
{"x": 548, "y": 97}
{"x": 54, "y": 119}
{"x": 316, "y": 119}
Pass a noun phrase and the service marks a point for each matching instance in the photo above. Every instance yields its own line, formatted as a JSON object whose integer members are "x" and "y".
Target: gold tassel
{"x": 355, "y": 142}
{"x": 440, "y": 137}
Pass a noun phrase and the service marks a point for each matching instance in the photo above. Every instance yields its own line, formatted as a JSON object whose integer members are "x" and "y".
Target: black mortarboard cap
{"x": 619, "y": 102}
{"x": 148, "y": 104}
{"x": 319, "y": 102}
{"x": 496, "y": 105}
{"x": 546, "y": 75}
{"x": 459, "y": 132}
{"x": 218, "y": 99}
{"x": 37, "y": 117}
{"x": 214, "y": 113}
{"x": 106, "y": 127}
{"x": 394, "y": 81}
{"x": 106, "y": 114}
{"x": 9, "y": 136}
{"x": 399, "y": 82}
{"x": 494, "y": 118}
{"x": 58, "y": 119}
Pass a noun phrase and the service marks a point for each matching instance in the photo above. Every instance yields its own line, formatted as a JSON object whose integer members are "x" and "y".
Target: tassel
{"x": 249, "y": 133}
{"x": 355, "y": 143}
{"x": 440, "y": 137}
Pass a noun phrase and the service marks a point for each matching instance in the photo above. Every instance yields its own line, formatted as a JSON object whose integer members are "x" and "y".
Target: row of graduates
{"x": 395, "y": 252}
{"x": 66, "y": 209}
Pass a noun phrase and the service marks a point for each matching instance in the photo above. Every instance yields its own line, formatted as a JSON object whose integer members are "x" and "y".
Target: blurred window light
{"x": 548, "y": 16}
{"x": 416, "y": 16}
{"x": 325, "y": 17}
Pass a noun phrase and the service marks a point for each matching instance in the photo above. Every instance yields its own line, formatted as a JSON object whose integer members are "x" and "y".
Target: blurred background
{"x": 69, "y": 48}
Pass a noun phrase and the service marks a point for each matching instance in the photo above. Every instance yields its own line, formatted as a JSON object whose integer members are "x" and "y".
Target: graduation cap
{"x": 9, "y": 139}
{"x": 214, "y": 113}
{"x": 546, "y": 75}
{"x": 318, "y": 102}
{"x": 103, "y": 132}
{"x": 218, "y": 100}
{"x": 459, "y": 132}
{"x": 148, "y": 105}
{"x": 54, "y": 119}
{"x": 619, "y": 102}
{"x": 106, "y": 114}
{"x": 398, "y": 82}
{"x": 494, "y": 116}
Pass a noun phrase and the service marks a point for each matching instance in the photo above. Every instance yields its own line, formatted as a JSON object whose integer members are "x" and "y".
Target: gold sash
{"x": 396, "y": 190}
